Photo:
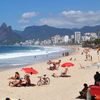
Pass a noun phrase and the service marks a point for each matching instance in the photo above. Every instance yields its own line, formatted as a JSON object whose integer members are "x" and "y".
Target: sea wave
{"x": 25, "y": 53}
{"x": 19, "y": 56}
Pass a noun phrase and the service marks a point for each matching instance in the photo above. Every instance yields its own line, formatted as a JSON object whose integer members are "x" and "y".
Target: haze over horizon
{"x": 62, "y": 13}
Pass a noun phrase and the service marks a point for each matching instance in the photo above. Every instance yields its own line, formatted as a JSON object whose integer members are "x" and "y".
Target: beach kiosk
{"x": 93, "y": 92}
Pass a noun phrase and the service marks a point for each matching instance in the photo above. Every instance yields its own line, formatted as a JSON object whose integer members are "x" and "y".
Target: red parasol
{"x": 67, "y": 64}
{"x": 29, "y": 70}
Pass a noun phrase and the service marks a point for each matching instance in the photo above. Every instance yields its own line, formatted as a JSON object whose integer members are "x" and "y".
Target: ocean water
{"x": 24, "y": 55}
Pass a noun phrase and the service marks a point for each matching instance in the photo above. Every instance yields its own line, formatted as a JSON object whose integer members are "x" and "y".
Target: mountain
{"x": 88, "y": 29}
{"x": 44, "y": 32}
{"x": 7, "y": 35}
{"x": 10, "y": 36}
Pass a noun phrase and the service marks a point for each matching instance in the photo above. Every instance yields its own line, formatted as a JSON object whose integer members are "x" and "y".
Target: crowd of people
{"x": 17, "y": 80}
{"x": 54, "y": 65}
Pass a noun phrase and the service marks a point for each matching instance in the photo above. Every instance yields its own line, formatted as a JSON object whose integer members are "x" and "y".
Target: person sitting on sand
{"x": 15, "y": 83}
{"x": 83, "y": 92}
{"x": 54, "y": 65}
{"x": 22, "y": 82}
{"x": 26, "y": 81}
{"x": 64, "y": 73}
{"x": 16, "y": 77}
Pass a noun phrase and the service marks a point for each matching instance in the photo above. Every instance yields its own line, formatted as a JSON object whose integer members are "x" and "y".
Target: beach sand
{"x": 62, "y": 88}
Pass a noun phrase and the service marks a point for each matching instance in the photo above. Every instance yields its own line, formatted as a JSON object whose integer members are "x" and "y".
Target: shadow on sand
{"x": 80, "y": 97}
{"x": 65, "y": 76}
{"x": 29, "y": 85}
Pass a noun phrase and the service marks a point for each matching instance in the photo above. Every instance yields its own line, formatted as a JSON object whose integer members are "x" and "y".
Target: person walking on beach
{"x": 97, "y": 52}
{"x": 86, "y": 57}
{"x": 70, "y": 59}
{"x": 82, "y": 53}
{"x": 91, "y": 58}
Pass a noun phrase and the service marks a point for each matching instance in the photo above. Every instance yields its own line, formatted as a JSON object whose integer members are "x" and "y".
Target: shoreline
{"x": 72, "y": 51}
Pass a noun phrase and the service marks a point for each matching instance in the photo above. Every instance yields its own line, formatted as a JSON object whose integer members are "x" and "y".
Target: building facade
{"x": 77, "y": 37}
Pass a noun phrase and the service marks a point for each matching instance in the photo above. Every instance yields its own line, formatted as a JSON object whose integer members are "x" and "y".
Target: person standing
{"x": 97, "y": 78}
{"x": 91, "y": 58}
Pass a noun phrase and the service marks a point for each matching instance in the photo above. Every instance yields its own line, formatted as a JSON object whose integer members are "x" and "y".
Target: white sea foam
{"x": 19, "y": 54}
{"x": 29, "y": 53}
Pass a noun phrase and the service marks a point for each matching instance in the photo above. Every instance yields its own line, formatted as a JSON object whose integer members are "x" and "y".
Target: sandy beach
{"x": 62, "y": 88}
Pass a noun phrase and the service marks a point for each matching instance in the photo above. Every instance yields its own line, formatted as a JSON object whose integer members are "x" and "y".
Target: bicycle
{"x": 43, "y": 80}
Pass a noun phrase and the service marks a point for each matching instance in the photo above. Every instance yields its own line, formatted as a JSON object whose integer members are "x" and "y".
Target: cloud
{"x": 26, "y": 18}
{"x": 23, "y": 21}
{"x": 64, "y": 19}
{"x": 72, "y": 18}
{"x": 28, "y": 15}
{"x": 72, "y": 12}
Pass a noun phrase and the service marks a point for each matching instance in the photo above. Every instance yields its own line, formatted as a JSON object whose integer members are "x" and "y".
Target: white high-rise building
{"x": 89, "y": 36}
{"x": 66, "y": 38}
{"x": 77, "y": 37}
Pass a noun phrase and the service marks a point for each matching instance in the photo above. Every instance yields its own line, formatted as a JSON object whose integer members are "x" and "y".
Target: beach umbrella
{"x": 67, "y": 64}
{"x": 29, "y": 70}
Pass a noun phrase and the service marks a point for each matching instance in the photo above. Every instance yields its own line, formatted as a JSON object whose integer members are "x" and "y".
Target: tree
{"x": 97, "y": 41}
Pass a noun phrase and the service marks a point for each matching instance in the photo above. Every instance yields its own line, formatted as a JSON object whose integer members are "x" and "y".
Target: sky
{"x": 58, "y": 13}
